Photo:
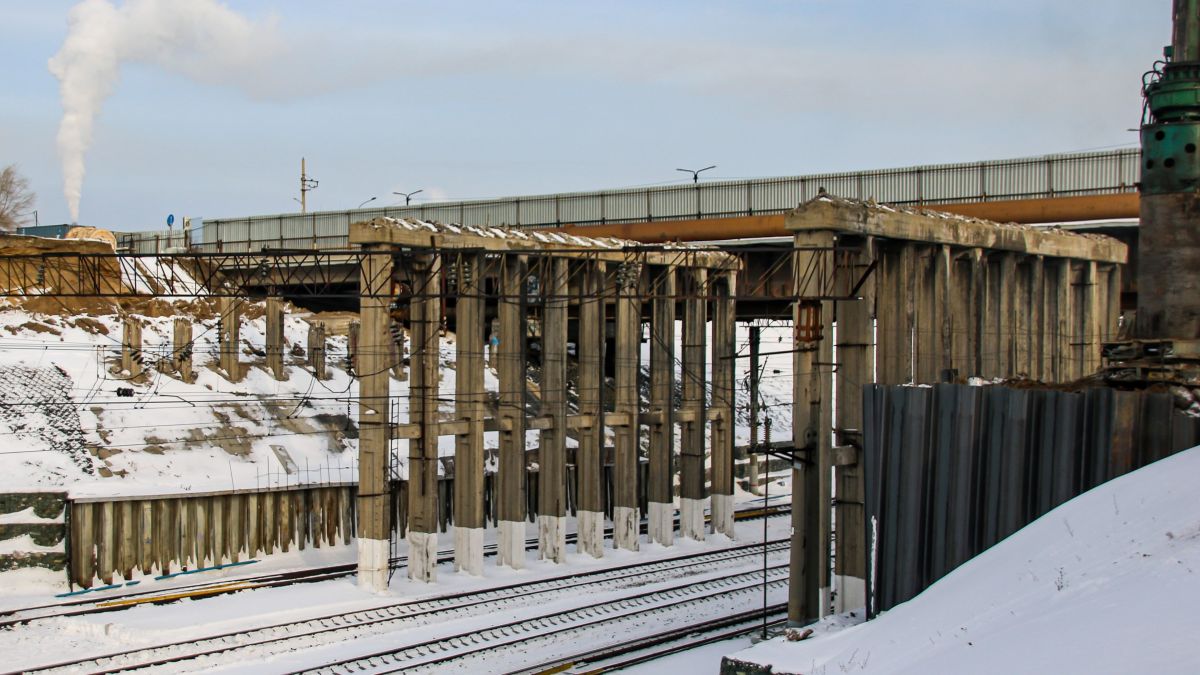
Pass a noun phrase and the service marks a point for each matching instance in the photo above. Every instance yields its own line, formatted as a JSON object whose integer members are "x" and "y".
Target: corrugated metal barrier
{"x": 953, "y": 469}
{"x": 1088, "y": 173}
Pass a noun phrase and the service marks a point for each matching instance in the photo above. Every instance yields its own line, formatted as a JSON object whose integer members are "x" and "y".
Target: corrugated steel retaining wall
{"x": 953, "y": 469}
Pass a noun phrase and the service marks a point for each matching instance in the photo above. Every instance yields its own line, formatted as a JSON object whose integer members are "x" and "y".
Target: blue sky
{"x": 482, "y": 99}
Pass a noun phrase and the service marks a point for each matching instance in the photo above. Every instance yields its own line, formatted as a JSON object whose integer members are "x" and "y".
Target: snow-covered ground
{"x": 1102, "y": 584}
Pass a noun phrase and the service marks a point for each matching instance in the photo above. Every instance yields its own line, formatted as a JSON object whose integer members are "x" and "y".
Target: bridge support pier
{"x": 470, "y": 396}
{"x": 661, "y": 486}
{"x": 692, "y": 491}
{"x": 510, "y": 476}
{"x": 589, "y": 456}
{"x": 552, "y": 453}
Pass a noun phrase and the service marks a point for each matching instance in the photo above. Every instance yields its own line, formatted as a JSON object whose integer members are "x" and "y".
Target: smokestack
{"x": 200, "y": 39}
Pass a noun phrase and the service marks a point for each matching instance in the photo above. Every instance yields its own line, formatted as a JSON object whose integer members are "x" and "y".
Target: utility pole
{"x": 755, "y": 335}
{"x": 306, "y": 184}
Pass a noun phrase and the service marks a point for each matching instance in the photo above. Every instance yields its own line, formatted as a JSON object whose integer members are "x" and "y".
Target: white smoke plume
{"x": 201, "y": 39}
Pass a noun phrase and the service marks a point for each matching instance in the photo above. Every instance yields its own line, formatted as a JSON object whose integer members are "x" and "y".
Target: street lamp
{"x": 366, "y": 202}
{"x": 696, "y": 172}
{"x": 408, "y": 196}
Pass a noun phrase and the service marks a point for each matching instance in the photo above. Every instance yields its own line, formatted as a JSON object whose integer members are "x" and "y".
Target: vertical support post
{"x": 723, "y": 368}
{"x": 1094, "y": 318}
{"x": 943, "y": 279}
{"x": 1007, "y": 290}
{"x": 275, "y": 339}
{"x": 131, "y": 347}
{"x": 425, "y": 315}
{"x": 354, "y": 346}
{"x": 755, "y": 338}
{"x": 1064, "y": 322}
{"x": 511, "y": 411}
{"x": 181, "y": 349}
{"x": 976, "y": 304}
{"x": 1113, "y": 319}
{"x": 660, "y": 490}
{"x": 692, "y": 491}
{"x": 374, "y": 498}
{"x": 856, "y": 359}
{"x": 808, "y": 570}
{"x": 316, "y": 350}
{"x": 959, "y": 312}
{"x": 926, "y": 323}
{"x": 589, "y": 455}
{"x": 628, "y": 318}
{"x": 552, "y": 453}
{"x": 469, "y": 407}
{"x": 1037, "y": 318}
{"x": 230, "y": 310}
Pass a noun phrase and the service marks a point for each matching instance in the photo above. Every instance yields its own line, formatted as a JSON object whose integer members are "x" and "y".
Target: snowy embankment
{"x": 1102, "y": 584}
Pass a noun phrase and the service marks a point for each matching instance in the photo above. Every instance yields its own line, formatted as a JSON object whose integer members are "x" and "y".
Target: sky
{"x": 475, "y": 99}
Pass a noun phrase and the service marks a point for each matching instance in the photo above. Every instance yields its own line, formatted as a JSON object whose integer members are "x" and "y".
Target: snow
{"x": 25, "y": 544}
{"x": 1098, "y": 585}
{"x": 27, "y": 516}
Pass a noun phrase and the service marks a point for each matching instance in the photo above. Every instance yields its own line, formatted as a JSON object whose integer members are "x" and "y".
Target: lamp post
{"x": 696, "y": 181}
{"x": 366, "y": 202}
{"x": 408, "y": 195}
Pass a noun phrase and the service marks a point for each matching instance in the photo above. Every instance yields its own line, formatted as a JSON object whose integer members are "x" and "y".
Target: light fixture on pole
{"x": 696, "y": 172}
{"x": 366, "y": 202}
{"x": 408, "y": 196}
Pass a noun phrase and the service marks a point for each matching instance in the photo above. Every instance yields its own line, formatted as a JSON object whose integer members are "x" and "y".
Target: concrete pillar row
{"x": 722, "y": 425}
{"x": 626, "y": 445}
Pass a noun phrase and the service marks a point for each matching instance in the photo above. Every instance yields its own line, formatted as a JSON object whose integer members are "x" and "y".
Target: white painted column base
{"x": 660, "y": 523}
{"x": 373, "y": 564}
{"x": 626, "y": 533}
{"x": 722, "y": 515}
{"x": 511, "y": 544}
{"x": 468, "y": 550}
{"x": 590, "y": 527}
{"x": 825, "y": 600}
{"x": 422, "y": 556}
{"x": 852, "y": 594}
{"x": 552, "y": 538}
{"x": 691, "y": 518}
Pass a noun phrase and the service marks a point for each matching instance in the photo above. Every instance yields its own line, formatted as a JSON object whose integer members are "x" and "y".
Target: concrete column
{"x": 353, "y": 346}
{"x": 589, "y": 456}
{"x": 976, "y": 302}
{"x": 927, "y": 312}
{"x": 1064, "y": 321}
{"x": 374, "y": 498}
{"x": 942, "y": 284}
{"x": 692, "y": 492}
{"x": 626, "y": 516}
{"x": 1095, "y": 315}
{"x": 230, "y": 318}
{"x": 856, "y": 358}
{"x": 275, "y": 339}
{"x": 552, "y": 453}
{"x": 660, "y": 490}
{"x": 808, "y": 573}
{"x": 1113, "y": 300}
{"x": 132, "y": 357}
{"x": 895, "y": 289}
{"x": 990, "y": 344}
{"x": 510, "y": 478}
{"x": 425, "y": 316}
{"x": 317, "y": 351}
{"x": 723, "y": 369}
{"x": 1037, "y": 318}
{"x": 181, "y": 349}
{"x": 1020, "y": 319}
{"x": 1006, "y": 292}
{"x": 959, "y": 313}
{"x": 469, "y": 407}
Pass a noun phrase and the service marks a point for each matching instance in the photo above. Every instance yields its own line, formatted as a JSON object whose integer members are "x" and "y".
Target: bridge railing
{"x": 1088, "y": 173}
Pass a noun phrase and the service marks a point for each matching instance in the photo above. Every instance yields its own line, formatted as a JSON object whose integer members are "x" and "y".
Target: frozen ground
{"x": 1102, "y": 584}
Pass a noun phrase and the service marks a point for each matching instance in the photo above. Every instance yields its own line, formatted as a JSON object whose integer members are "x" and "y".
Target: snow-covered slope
{"x": 1106, "y": 583}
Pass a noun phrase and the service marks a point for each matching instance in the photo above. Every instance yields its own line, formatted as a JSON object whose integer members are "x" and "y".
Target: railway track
{"x": 338, "y": 629}
{"x": 108, "y": 603}
{"x": 480, "y": 650}
{"x": 652, "y": 647}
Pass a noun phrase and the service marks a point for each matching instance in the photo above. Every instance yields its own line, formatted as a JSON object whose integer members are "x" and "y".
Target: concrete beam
{"x": 865, "y": 218}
